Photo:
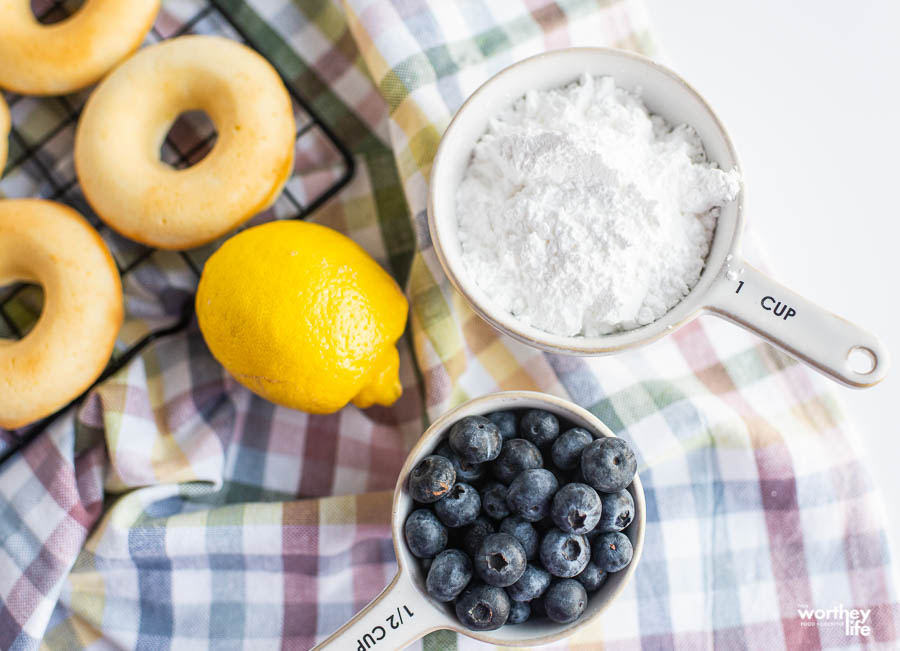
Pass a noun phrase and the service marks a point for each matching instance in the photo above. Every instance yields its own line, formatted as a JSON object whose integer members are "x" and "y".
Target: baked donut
{"x": 57, "y": 59}
{"x": 127, "y": 117}
{"x": 4, "y": 133}
{"x": 52, "y": 245}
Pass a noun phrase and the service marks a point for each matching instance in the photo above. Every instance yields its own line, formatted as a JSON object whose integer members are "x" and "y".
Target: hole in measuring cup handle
{"x": 861, "y": 360}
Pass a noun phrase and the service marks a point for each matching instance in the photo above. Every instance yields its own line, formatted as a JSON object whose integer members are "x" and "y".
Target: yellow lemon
{"x": 301, "y": 315}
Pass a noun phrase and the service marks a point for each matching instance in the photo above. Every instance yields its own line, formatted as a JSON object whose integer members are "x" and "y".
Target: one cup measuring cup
{"x": 728, "y": 286}
{"x": 404, "y": 611}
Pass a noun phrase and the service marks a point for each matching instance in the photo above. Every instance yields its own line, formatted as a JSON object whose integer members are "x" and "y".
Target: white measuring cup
{"x": 404, "y": 612}
{"x": 728, "y": 287}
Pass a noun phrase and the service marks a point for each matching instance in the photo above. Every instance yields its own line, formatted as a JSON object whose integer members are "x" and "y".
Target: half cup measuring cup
{"x": 728, "y": 286}
{"x": 404, "y": 612}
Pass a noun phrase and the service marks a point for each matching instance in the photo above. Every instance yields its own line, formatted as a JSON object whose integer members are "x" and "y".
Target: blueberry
{"x": 531, "y": 492}
{"x": 459, "y": 507}
{"x": 425, "y": 534}
{"x": 564, "y": 554}
{"x": 482, "y": 607}
{"x": 500, "y": 560}
{"x": 565, "y": 601}
{"x": 524, "y": 532}
{"x": 493, "y": 500}
{"x": 531, "y": 585}
{"x": 591, "y": 577}
{"x": 470, "y": 473}
{"x": 567, "y": 449}
{"x": 519, "y": 612}
{"x": 608, "y": 464}
{"x": 618, "y": 511}
{"x": 515, "y": 456}
{"x": 475, "y": 534}
{"x": 450, "y": 572}
{"x": 475, "y": 439}
{"x": 612, "y": 551}
{"x": 505, "y": 422}
{"x": 537, "y": 607}
{"x": 575, "y": 508}
{"x": 431, "y": 479}
{"x": 540, "y": 427}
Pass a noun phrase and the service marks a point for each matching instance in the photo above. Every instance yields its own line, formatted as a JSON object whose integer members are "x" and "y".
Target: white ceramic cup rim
{"x": 403, "y": 503}
{"x": 726, "y": 239}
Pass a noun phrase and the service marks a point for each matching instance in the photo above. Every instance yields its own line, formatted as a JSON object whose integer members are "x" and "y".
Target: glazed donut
{"x": 52, "y": 245}
{"x": 57, "y": 59}
{"x": 126, "y": 119}
{"x": 4, "y": 133}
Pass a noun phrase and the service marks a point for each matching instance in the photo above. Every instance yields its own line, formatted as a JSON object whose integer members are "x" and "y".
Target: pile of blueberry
{"x": 516, "y": 520}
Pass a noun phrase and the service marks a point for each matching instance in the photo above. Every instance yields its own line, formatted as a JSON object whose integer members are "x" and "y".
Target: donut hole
{"x": 21, "y": 304}
{"x": 189, "y": 140}
{"x": 48, "y": 12}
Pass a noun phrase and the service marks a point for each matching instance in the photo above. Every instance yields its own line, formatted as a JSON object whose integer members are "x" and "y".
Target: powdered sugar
{"x": 582, "y": 214}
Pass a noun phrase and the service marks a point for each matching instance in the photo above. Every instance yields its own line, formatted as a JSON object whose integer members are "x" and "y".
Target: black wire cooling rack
{"x": 40, "y": 164}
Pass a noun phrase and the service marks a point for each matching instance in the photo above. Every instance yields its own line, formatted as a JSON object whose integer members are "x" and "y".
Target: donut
{"x": 61, "y": 58}
{"x": 127, "y": 117}
{"x": 4, "y": 133}
{"x": 52, "y": 245}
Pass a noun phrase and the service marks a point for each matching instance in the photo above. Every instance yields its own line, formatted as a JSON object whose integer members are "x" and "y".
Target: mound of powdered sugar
{"x": 582, "y": 214}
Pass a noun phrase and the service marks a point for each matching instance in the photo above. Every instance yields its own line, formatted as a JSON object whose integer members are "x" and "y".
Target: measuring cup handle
{"x": 750, "y": 298}
{"x": 394, "y": 619}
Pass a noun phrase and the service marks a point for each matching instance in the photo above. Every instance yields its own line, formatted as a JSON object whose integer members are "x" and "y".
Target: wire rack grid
{"x": 40, "y": 164}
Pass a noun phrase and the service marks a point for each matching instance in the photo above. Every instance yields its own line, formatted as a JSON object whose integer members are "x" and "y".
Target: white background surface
{"x": 810, "y": 93}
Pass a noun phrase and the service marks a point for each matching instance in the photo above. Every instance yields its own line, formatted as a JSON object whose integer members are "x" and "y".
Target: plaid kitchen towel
{"x": 174, "y": 509}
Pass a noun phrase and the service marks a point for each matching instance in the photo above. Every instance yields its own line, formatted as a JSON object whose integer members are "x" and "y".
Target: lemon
{"x": 301, "y": 315}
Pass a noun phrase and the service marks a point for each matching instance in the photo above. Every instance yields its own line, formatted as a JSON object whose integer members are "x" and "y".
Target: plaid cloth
{"x": 177, "y": 510}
